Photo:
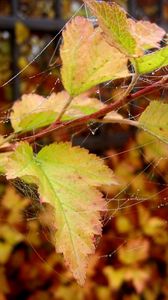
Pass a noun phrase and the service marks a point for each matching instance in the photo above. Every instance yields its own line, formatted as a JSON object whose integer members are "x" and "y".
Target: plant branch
{"x": 59, "y": 127}
{"x": 64, "y": 109}
{"x": 119, "y": 121}
{"x": 102, "y": 112}
{"x": 133, "y": 81}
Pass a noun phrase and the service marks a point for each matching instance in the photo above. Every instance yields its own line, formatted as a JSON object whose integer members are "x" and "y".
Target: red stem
{"x": 57, "y": 126}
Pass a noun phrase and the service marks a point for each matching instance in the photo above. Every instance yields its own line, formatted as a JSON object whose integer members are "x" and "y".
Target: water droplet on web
{"x": 92, "y": 129}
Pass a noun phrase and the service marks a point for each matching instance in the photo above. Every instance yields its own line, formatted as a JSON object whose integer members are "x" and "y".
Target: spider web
{"x": 147, "y": 183}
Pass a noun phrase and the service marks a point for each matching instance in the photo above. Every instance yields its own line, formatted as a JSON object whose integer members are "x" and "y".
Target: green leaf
{"x": 151, "y": 62}
{"x": 34, "y": 111}
{"x": 155, "y": 121}
{"x": 87, "y": 59}
{"x": 67, "y": 178}
{"x": 114, "y": 23}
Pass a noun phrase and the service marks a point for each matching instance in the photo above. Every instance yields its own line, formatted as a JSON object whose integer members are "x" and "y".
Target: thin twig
{"x": 58, "y": 127}
{"x": 119, "y": 121}
{"x": 64, "y": 109}
{"x": 102, "y": 112}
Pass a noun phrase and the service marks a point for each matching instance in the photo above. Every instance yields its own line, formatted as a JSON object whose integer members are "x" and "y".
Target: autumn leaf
{"x": 138, "y": 277}
{"x": 87, "y": 59}
{"x": 114, "y": 23}
{"x": 147, "y": 34}
{"x": 129, "y": 36}
{"x": 30, "y": 113}
{"x": 114, "y": 276}
{"x": 34, "y": 111}
{"x": 80, "y": 106}
{"x": 123, "y": 224}
{"x": 154, "y": 120}
{"x": 69, "y": 183}
{"x": 155, "y": 226}
{"x": 134, "y": 251}
{"x": 154, "y": 149}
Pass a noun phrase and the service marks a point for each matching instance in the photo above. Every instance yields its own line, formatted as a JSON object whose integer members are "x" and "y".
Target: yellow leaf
{"x": 87, "y": 59}
{"x": 134, "y": 251}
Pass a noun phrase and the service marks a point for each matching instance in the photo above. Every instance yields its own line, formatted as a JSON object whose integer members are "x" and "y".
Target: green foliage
{"x": 151, "y": 62}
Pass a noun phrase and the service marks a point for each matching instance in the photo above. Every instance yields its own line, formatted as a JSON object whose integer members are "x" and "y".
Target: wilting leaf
{"x": 151, "y": 62}
{"x": 87, "y": 59}
{"x": 34, "y": 111}
{"x": 68, "y": 183}
{"x": 147, "y": 34}
{"x": 114, "y": 23}
{"x": 154, "y": 120}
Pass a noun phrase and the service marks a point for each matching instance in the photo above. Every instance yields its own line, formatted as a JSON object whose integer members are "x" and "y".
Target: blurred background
{"x": 131, "y": 262}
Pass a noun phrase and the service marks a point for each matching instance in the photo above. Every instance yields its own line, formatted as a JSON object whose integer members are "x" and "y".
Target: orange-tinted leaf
{"x": 87, "y": 59}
